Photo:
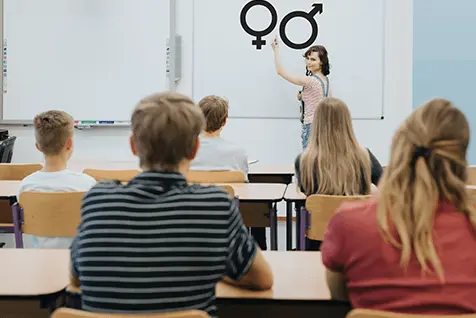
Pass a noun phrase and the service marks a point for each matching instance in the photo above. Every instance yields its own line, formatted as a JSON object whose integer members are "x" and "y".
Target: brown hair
{"x": 215, "y": 110}
{"x": 323, "y": 57}
{"x": 342, "y": 165}
{"x": 427, "y": 164}
{"x": 165, "y": 130}
{"x": 52, "y": 129}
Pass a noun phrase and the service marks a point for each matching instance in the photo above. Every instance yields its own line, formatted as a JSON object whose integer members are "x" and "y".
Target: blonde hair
{"x": 52, "y": 129}
{"x": 165, "y": 129}
{"x": 427, "y": 164}
{"x": 342, "y": 165}
{"x": 215, "y": 110}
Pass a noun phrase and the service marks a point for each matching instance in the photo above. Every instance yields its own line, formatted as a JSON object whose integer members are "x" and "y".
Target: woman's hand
{"x": 275, "y": 44}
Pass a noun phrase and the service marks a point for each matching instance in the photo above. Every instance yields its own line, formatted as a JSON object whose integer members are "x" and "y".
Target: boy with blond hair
{"x": 54, "y": 132}
{"x": 159, "y": 244}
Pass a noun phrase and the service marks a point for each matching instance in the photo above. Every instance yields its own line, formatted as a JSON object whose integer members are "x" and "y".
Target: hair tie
{"x": 421, "y": 152}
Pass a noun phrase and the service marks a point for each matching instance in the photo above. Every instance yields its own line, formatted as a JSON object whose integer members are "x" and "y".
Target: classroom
{"x": 240, "y": 158}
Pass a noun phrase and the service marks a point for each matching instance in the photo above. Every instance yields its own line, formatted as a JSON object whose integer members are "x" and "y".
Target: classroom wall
{"x": 269, "y": 140}
{"x": 444, "y": 61}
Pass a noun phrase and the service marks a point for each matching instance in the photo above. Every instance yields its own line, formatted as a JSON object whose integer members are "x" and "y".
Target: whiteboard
{"x": 226, "y": 63}
{"x": 92, "y": 58}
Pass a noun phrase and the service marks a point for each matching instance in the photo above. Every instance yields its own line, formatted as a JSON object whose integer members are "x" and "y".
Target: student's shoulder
{"x": 359, "y": 211}
{"x": 33, "y": 177}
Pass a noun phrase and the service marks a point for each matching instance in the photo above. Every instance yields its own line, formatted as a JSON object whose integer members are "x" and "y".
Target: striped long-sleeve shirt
{"x": 158, "y": 244}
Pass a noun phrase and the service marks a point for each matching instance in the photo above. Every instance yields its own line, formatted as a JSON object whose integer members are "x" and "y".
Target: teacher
{"x": 315, "y": 83}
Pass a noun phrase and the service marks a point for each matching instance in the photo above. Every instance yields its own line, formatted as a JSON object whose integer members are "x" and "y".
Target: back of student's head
{"x": 165, "y": 130}
{"x": 342, "y": 165}
{"x": 215, "y": 110}
{"x": 53, "y": 129}
{"x": 427, "y": 166}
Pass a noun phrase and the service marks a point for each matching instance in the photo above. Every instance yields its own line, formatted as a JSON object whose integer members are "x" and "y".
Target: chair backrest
{"x": 121, "y": 175}
{"x": 229, "y": 189}
{"x": 471, "y": 175}
{"x": 73, "y": 313}
{"x": 368, "y": 313}
{"x": 322, "y": 208}
{"x": 231, "y": 176}
{"x": 6, "y": 149}
{"x": 9, "y": 171}
{"x": 51, "y": 213}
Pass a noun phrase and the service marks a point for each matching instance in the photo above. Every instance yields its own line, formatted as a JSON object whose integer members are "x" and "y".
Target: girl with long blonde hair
{"x": 334, "y": 162}
{"x": 411, "y": 248}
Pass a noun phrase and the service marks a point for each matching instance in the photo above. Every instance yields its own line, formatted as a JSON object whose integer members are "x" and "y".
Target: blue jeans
{"x": 306, "y": 131}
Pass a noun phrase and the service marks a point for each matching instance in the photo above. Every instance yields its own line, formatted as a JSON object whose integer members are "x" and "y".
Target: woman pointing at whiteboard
{"x": 315, "y": 83}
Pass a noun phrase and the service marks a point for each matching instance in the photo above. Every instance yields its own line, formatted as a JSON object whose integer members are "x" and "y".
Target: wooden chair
{"x": 319, "y": 210}
{"x": 51, "y": 214}
{"x": 17, "y": 172}
{"x": 253, "y": 214}
{"x": 198, "y": 176}
{"x": 471, "y": 175}
{"x": 73, "y": 313}
{"x": 229, "y": 189}
{"x": 121, "y": 175}
{"x": 367, "y": 313}
{"x": 12, "y": 172}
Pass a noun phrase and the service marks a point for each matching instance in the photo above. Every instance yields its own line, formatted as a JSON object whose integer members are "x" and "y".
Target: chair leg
{"x": 16, "y": 211}
{"x": 302, "y": 229}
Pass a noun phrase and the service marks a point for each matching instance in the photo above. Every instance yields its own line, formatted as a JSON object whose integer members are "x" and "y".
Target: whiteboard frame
{"x": 170, "y": 83}
{"x": 384, "y": 52}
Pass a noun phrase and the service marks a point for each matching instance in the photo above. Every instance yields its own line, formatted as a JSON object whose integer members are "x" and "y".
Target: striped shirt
{"x": 158, "y": 244}
{"x": 312, "y": 94}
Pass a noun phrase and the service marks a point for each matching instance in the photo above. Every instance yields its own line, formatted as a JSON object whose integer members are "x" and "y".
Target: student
{"x": 334, "y": 163}
{"x": 411, "y": 248}
{"x": 54, "y": 131}
{"x": 159, "y": 244}
{"x": 216, "y": 153}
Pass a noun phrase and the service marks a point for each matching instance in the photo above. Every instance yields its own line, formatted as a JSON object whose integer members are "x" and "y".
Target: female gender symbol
{"x": 309, "y": 16}
{"x": 259, "y": 42}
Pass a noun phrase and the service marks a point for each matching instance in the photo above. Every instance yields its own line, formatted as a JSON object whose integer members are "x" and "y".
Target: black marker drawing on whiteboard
{"x": 309, "y": 16}
{"x": 259, "y": 42}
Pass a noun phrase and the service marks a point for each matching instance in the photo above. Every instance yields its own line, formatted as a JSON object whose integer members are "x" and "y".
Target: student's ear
{"x": 224, "y": 123}
{"x": 133, "y": 146}
{"x": 69, "y": 144}
{"x": 38, "y": 147}
{"x": 195, "y": 149}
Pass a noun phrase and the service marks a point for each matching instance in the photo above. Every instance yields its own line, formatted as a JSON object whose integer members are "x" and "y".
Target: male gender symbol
{"x": 309, "y": 16}
{"x": 259, "y": 42}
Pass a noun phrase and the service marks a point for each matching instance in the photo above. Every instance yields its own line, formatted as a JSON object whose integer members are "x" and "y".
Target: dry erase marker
{"x": 109, "y": 122}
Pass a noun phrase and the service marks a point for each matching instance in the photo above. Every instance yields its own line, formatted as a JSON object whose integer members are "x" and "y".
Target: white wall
{"x": 269, "y": 140}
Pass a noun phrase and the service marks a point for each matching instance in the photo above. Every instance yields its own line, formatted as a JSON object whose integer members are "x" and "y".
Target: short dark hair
{"x": 323, "y": 56}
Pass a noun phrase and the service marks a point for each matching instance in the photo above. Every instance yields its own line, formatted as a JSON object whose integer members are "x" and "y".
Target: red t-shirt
{"x": 354, "y": 246}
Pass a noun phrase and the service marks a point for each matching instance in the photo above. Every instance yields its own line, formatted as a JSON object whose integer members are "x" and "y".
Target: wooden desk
{"x": 261, "y": 193}
{"x": 9, "y": 189}
{"x": 293, "y": 196}
{"x": 263, "y": 173}
{"x": 297, "y": 276}
{"x": 299, "y": 290}
{"x": 33, "y": 272}
{"x": 299, "y": 284}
